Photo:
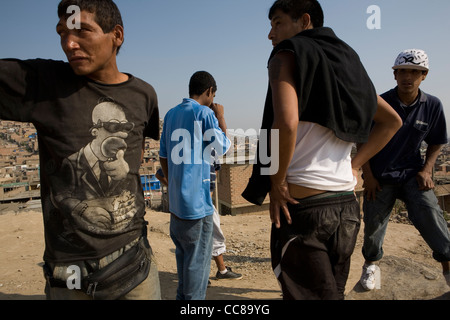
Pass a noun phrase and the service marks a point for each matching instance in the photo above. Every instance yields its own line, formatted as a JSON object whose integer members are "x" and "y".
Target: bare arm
{"x": 286, "y": 119}
{"x": 387, "y": 123}
{"x": 425, "y": 176}
{"x": 165, "y": 168}
{"x": 371, "y": 184}
{"x": 162, "y": 179}
{"x": 220, "y": 115}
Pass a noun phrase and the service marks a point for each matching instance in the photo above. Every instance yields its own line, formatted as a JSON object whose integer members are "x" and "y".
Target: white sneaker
{"x": 371, "y": 277}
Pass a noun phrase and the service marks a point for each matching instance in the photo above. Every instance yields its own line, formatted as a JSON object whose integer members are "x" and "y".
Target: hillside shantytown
{"x": 20, "y": 183}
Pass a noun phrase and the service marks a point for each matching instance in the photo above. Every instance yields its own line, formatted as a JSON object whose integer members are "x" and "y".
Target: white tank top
{"x": 321, "y": 160}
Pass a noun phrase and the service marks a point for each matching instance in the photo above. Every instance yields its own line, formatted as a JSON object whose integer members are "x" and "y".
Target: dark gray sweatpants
{"x": 311, "y": 257}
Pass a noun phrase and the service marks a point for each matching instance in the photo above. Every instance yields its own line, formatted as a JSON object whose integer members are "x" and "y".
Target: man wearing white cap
{"x": 399, "y": 171}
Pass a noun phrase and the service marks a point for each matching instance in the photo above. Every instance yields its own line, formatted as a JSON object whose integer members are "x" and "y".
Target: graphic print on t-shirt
{"x": 94, "y": 186}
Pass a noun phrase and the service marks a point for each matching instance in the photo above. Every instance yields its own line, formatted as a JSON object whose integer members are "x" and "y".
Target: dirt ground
{"x": 22, "y": 245}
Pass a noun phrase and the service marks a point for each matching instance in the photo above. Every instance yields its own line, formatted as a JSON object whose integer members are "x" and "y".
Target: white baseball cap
{"x": 412, "y": 59}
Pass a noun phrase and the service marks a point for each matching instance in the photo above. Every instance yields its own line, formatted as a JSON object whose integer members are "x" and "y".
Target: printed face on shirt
{"x": 89, "y": 50}
{"x": 409, "y": 80}
{"x": 110, "y": 130}
{"x": 283, "y": 27}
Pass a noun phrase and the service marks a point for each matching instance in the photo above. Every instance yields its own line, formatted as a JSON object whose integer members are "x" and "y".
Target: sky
{"x": 166, "y": 41}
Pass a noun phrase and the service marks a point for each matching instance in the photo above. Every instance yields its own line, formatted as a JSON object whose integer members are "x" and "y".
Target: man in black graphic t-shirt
{"x": 92, "y": 121}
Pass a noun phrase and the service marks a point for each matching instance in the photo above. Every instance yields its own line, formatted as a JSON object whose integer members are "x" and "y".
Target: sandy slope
{"x": 409, "y": 272}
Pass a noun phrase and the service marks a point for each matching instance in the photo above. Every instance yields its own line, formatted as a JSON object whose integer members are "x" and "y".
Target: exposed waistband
{"x": 327, "y": 198}
{"x": 328, "y": 194}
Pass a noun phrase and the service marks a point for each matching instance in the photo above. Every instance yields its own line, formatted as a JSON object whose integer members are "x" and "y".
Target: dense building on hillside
{"x": 19, "y": 171}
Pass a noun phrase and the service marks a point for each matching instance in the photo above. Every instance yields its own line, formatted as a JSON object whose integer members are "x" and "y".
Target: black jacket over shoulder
{"x": 334, "y": 91}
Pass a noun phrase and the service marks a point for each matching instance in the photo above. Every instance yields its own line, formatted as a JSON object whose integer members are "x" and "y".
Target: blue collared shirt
{"x": 190, "y": 132}
{"x": 400, "y": 159}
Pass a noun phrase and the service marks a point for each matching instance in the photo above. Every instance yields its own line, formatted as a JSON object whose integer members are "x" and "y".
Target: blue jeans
{"x": 423, "y": 211}
{"x": 193, "y": 242}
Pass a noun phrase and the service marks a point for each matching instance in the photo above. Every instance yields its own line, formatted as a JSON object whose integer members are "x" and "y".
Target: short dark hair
{"x": 200, "y": 82}
{"x": 107, "y": 14}
{"x": 297, "y": 8}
